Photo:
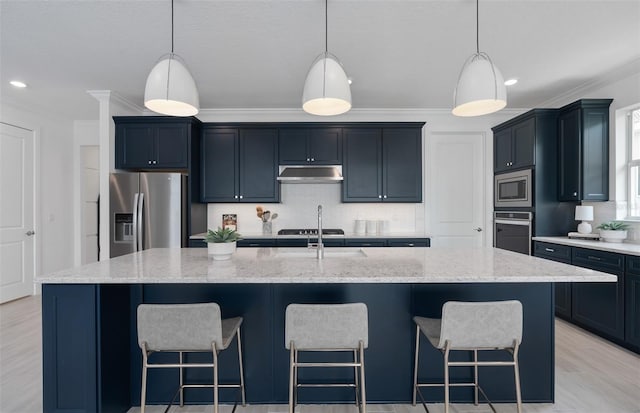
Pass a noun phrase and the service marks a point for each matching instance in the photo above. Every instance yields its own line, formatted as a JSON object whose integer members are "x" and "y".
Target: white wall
{"x": 54, "y": 187}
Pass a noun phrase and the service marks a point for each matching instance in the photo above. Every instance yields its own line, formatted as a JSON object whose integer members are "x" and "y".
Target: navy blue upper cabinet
{"x": 313, "y": 145}
{"x": 239, "y": 164}
{"x": 583, "y": 151}
{"x": 382, "y": 164}
{"x": 153, "y": 142}
{"x": 514, "y": 145}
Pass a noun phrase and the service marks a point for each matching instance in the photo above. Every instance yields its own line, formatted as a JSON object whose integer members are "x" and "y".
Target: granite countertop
{"x": 340, "y": 265}
{"x": 622, "y": 248}
{"x": 346, "y": 235}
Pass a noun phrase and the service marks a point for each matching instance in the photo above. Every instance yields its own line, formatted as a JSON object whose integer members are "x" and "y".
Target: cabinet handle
{"x": 149, "y": 162}
{"x": 575, "y": 194}
{"x": 385, "y": 197}
{"x": 236, "y": 197}
{"x": 379, "y": 196}
{"x": 410, "y": 245}
{"x": 155, "y": 162}
{"x": 550, "y": 250}
{"x": 591, "y": 257}
{"x": 308, "y": 159}
{"x": 313, "y": 159}
{"x": 241, "y": 196}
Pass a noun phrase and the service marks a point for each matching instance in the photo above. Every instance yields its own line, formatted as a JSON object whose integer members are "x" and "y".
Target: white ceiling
{"x": 255, "y": 53}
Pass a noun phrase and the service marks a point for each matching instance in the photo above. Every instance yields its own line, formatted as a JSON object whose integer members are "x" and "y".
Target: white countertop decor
{"x": 340, "y": 265}
{"x": 621, "y": 248}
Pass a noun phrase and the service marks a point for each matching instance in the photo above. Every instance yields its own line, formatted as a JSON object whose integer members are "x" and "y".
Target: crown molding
{"x": 109, "y": 96}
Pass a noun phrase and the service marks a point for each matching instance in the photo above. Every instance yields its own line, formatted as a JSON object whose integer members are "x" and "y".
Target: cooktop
{"x": 310, "y": 231}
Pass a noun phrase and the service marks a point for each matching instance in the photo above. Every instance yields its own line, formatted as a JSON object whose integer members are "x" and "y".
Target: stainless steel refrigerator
{"x": 147, "y": 210}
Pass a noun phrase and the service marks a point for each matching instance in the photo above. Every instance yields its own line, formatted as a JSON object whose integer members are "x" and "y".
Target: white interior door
{"x": 456, "y": 162}
{"x": 17, "y": 240}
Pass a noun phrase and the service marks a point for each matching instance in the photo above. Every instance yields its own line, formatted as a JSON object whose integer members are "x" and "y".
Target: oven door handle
{"x": 513, "y": 222}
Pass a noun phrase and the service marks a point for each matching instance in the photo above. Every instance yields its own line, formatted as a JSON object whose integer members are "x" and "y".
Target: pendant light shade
{"x": 170, "y": 88}
{"x": 480, "y": 89}
{"x": 326, "y": 90}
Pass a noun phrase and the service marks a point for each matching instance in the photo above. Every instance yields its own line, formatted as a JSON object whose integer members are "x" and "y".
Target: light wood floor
{"x": 592, "y": 375}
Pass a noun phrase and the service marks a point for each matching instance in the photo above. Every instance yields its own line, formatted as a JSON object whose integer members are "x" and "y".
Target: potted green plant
{"x": 613, "y": 231}
{"x": 222, "y": 243}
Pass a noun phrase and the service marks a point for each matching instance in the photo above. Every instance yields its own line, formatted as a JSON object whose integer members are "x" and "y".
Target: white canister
{"x": 360, "y": 227}
{"x": 372, "y": 227}
{"x": 383, "y": 227}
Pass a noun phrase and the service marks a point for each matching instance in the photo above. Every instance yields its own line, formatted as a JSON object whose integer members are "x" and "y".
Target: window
{"x": 633, "y": 164}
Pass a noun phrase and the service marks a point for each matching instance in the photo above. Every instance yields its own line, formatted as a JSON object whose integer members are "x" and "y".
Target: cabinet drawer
{"x": 554, "y": 252}
{"x": 408, "y": 242}
{"x": 633, "y": 265}
{"x": 598, "y": 260}
{"x": 257, "y": 242}
{"x": 365, "y": 242}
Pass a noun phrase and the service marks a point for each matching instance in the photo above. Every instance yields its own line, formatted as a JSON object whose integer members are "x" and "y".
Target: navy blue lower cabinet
{"x": 408, "y": 242}
{"x": 197, "y": 243}
{"x": 92, "y": 362}
{"x": 365, "y": 242}
{"x": 632, "y": 303}
{"x": 599, "y": 307}
{"x": 256, "y": 242}
{"x": 560, "y": 253}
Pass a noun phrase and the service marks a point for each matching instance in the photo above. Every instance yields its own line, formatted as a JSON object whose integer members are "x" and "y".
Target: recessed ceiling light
{"x": 18, "y": 83}
{"x": 510, "y": 82}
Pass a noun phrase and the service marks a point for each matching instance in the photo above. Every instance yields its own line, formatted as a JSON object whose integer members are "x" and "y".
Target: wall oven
{"x": 512, "y": 231}
{"x": 513, "y": 189}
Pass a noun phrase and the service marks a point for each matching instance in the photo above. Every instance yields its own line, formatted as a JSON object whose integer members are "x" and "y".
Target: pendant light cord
{"x": 326, "y": 25}
{"x": 171, "y": 26}
{"x": 477, "y": 26}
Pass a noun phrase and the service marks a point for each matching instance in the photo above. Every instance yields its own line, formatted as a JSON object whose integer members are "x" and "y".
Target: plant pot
{"x": 221, "y": 250}
{"x": 613, "y": 236}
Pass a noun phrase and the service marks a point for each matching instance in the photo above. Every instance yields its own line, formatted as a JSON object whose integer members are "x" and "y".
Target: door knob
{"x": 30, "y": 233}
{"x": 479, "y": 229}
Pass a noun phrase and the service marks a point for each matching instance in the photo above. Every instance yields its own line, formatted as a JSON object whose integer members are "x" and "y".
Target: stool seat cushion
{"x": 430, "y": 327}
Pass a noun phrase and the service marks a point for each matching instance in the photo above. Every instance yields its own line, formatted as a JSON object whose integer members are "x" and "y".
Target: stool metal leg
{"x": 446, "y": 378}
{"x": 242, "y": 394}
{"x": 292, "y": 382}
{"x": 362, "y": 388}
{"x": 475, "y": 377}
{"x": 181, "y": 380}
{"x": 215, "y": 377}
{"x": 415, "y": 366}
{"x": 143, "y": 391}
{"x": 355, "y": 376}
{"x": 516, "y": 370}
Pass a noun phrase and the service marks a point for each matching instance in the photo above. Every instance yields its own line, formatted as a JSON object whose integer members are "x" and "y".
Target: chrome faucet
{"x": 319, "y": 246}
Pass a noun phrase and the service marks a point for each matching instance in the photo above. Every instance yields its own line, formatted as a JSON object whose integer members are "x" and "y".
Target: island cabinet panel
{"x": 256, "y": 242}
{"x": 153, "y": 143}
{"x": 514, "y": 145}
{"x": 583, "y": 150}
{"x": 239, "y": 165}
{"x": 382, "y": 164}
{"x": 86, "y": 346}
{"x": 560, "y": 253}
{"x": 311, "y": 145}
{"x": 632, "y": 302}
{"x": 599, "y": 306}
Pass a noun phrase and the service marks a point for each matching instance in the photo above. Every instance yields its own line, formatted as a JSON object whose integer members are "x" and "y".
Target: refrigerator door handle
{"x": 135, "y": 222}
{"x": 140, "y": 217}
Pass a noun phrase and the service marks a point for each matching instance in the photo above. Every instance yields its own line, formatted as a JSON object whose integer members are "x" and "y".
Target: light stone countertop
{"x": 619, "y": 247}
{"x": 340, "y": 265}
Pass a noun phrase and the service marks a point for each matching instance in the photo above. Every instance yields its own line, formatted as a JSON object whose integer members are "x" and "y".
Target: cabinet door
{"x": 259, "y": 165}
{"x": 560, "y": 253}
{"x": 522, "y": 143}
{"x": 171, "y": 147}
{"x": 595, "y": 154}
{"x": 632, "y": 302}
{"x": 219, "y": 177}
{"x": 569, "y": 161}
{"x": 325, "y": 146}
{"x": 599, "y": 306}
{"x": 408, "y": 242}
{"x": 502, "y": 150}
{"x": 292, "y": 147}
{"x": 134, "y": 146}
{"x": 402, "y": 165}
{"x": 362, "y": 165}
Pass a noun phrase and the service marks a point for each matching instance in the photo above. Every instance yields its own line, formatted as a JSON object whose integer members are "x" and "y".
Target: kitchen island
{"x": 91, "y": 360}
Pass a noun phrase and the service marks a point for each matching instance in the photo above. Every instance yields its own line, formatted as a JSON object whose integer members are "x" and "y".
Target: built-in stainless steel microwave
{"x": 513, "y": 189}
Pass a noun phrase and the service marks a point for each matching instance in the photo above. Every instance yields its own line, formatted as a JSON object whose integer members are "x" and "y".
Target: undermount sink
{"x": 328, "y": 253}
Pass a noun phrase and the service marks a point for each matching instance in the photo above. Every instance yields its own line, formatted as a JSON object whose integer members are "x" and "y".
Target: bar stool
{"x": 187, "y": 328}
{"x": 472, "y": 326}
{"x": 327, "y": 327}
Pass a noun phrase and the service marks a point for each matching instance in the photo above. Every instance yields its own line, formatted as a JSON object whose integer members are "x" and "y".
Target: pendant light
{"x": 326, "y": 89}
{"x": 170, "y": 88}
{"x": 480, "y": 89}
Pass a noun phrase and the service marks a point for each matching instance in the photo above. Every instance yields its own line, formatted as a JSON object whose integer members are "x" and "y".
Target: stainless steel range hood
{"x": 310, "y": 174}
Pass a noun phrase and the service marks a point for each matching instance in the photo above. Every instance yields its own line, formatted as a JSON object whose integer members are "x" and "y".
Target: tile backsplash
{"x": 298, "y": 209}
{"x": 613, "y": 210}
